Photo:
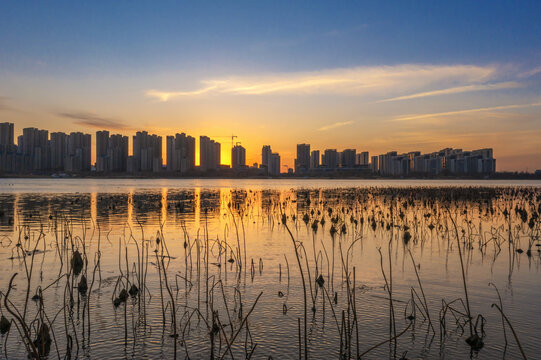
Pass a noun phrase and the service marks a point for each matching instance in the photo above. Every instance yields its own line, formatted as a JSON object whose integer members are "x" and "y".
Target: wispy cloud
{"x": 95, "y": 121}
{"x": 458, "y": 90}
{"x": 531, "y": 72}
{"x": 165, "y": 95}
{"x": 335, "y": 125}
{"x": 377, "y": 80}
{"x": 466, "y": 111}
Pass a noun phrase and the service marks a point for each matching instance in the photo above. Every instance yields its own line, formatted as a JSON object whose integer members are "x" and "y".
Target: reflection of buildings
{"x": 147, "y": 207}
{"x": 181, "y": 205}
{"x": 210, "y": 201}
{"x": 111, "y": 209}
{"x": 303, "y": 200}
{"x": 74, "y": 207}
{"x": 270, "y": 200}
{"x": 7, "y": 213}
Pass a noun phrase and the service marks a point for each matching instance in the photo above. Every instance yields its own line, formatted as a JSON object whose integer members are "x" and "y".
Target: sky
{"x": 375, "y": 76}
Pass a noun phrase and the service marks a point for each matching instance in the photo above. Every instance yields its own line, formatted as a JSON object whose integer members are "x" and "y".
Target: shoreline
{"x": 285, "y": 177}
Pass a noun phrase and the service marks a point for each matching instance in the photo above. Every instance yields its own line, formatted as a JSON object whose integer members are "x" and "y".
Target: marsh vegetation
{"x": 348, "y": 273}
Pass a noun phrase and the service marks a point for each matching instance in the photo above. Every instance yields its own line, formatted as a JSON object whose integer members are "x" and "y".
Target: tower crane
{"x": 232, "y": 137}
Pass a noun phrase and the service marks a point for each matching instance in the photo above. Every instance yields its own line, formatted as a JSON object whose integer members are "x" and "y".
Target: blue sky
{"x": 98, "y": 58}
{"x": 271, "y": 35}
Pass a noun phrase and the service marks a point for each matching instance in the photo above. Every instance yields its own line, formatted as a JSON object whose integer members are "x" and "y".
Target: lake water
{"x": 202, "y": 252}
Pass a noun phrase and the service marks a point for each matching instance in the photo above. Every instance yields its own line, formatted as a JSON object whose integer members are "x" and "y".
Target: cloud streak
{"x": 458, "y": 90}
{"x": 94, "y": 121}
{"x": 335, "y": 125}
{"x": 165, "y": 96}
{"x": 375, "y": 80}
{"x": 466, "y": 111}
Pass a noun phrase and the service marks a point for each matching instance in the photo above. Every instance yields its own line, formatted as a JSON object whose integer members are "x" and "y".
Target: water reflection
{"x": 178, "y": 206}
{"x": 339, "y": 232}
{"x": 139, "y": 207}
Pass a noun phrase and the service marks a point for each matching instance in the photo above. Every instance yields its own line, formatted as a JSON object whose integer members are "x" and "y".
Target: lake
{"x": 261, "y": 269}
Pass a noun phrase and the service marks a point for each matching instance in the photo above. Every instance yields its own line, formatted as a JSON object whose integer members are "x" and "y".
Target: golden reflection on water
{"x": 370, "y": 218}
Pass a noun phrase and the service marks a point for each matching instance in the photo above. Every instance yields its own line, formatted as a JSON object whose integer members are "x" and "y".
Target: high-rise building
{"x": 102, "y": 144}
{"x": 147, "y": 152}
{"x": 35, "y": 149}
{"x": 78, "y": 152}
{"x": 362, "y": 158}
{"x": 180, "y": 153}
{"x": 6, "y": 136}
{"x": 384, "y": 163}
{"x": 330, "y": 159}
{"x": 266, "y": 154}
{"x": 347, "y": 158}
{"x": 59, "y": 146}
{"x": 374, "y": 164}
{"x": 238, "y": 157}
{"x": 314, "y": 159}
{"x": 302, "y": 162}
{"x": 274, "y": 164}
{"x": 209, "y": 154}
{"x": 117, "y": 153}
{"x": 8, "y": 150}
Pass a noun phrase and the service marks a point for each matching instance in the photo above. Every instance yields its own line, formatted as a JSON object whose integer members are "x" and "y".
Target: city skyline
{"x": 35, "y": 151}
{"x": 383, "y": 75}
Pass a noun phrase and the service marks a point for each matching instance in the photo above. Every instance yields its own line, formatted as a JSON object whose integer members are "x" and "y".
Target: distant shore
{"x": 497, "y": 176}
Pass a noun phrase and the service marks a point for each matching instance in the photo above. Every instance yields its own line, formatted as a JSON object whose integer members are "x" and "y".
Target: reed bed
{"x": 205, "y": 288}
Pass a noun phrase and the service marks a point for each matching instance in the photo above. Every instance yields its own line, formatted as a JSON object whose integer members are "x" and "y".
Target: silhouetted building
{"x": 274, "y": 164}
{"x": 238, "y": 157}
{"x": 78, "y": 152}
{"x": 180, "y": 153}
{"x": 209, "y": 154}
{"x": 314, "y": 159}
{"x": 8, "y": 150}
{"x": 330, "y": 159}
{"x": 374, "y": 164}
{"x": 35, "y": 149}
{"x": 102, "y": 142}
{"x": 302, "y": 162}
{"x": 362, "y": 158}
{"x": 59, "y": 145}
{"x": 147, "y": 152}
{"x": 347, "y": 158}
{"x": 266, "y": 154}
{"x": 111, "y": 152}
{"x": 6, "y": 136}
{"x": 446, "y": 161}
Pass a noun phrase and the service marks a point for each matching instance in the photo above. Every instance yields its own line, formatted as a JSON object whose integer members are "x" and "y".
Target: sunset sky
{"x": 369, "y": 75}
